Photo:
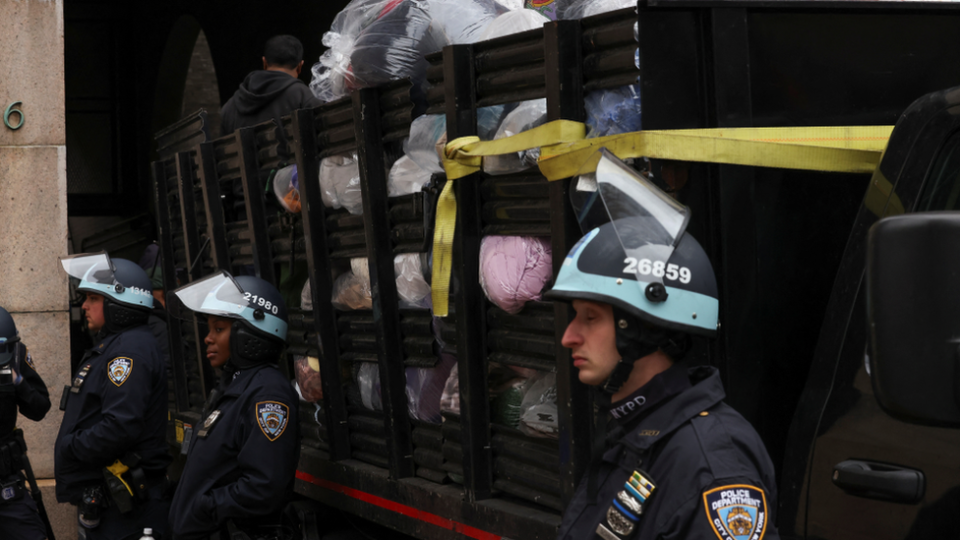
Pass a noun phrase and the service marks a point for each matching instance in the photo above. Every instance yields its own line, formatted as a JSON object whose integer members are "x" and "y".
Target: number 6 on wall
{"x": 12, "y": 108}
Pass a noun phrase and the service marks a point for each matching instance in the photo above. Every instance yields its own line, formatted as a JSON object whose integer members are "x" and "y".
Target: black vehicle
{"x": 789, "y": 249}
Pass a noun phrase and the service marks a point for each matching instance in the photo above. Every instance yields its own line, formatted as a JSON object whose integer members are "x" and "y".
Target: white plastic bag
{"x": 368, "y": 379}
{"x": 351, "y": 290}
{"x": 406, "y": 177}
{"x": 340, "y": 183}
{"x": 579, "y": 9}
{"x": 412, "y": 288}
{"x": 513, "y": 22}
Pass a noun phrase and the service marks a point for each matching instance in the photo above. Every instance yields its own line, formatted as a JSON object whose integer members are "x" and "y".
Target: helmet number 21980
{"x": 261, "y": 301}
{"x": 646, "y": 267}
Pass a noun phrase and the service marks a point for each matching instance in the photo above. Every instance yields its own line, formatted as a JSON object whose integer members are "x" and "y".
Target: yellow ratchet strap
{"x": 117, "y": 469}
{"x": 565, "y": 153}
{"x": 464, "y": 156}
{"x": 854, "y": 149}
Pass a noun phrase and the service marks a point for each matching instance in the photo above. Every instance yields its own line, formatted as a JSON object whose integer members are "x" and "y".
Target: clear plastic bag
{"x": 421, "y": 146}
{"x": 374, "y": 41}
{"x": 368, "y": 379}
{"x": 286, "y": 186}
{"x": 307, "y": 370}
{"x": 340, "y": 183}
{"x": 527, "y": 115}
{"x": 351, "y": 290}
{"x": 371, "y": 42}
{"x": 514, "y": 22}
{"x": 425, "y": 388}
{"x": 450, "y": 399}
{"x": 514, "y": 269}
{"x": 306, "y": 297}
{"x": 538, "y": 410}
{"x": 613, "y": 111}
{"x": 412, "y": 287}
{"x": 406, "y": 177}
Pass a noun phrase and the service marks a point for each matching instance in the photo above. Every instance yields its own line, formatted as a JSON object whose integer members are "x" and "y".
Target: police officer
{"x": 671, "y": 459}
{"x": 111, "y": 454}
{"x": 242, "y": 457}
{"x": 21, "y": 388}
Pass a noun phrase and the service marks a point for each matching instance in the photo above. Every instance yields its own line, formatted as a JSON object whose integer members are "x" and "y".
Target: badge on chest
{"x": 623, "y": 515}
{"x": 208, "y": 423}
{"x": 80, "y": 379}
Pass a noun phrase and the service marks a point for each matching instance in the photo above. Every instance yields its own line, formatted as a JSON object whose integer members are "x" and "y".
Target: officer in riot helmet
{"x": 111, "y": 455}
{"x": 670, "y": 459}
{"x": 21, "y": 389}
{"x": 242, "y": 457}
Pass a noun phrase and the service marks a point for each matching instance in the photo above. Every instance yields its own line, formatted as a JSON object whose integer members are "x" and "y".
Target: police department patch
{"x": 272, "y": 418}
{"x": 29, "y": 360}
{"x": 736, "y": 512}
{"x": 118, "y": 370}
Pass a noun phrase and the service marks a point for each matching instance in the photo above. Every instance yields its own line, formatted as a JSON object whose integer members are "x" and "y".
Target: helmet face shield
{"x": 648, "y": 222}
{"x": 8, "y": 347}
{"x": 97, "y": 274}
{"x": 220, "y": 295}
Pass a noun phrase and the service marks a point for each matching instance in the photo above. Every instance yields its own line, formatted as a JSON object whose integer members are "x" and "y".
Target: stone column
{"x": 33, "y": 215}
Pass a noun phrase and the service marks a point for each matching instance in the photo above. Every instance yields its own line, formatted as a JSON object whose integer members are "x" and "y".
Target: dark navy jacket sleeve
{"x": 266, "y": 463}
{"x": 33, "y": 400}
{"x": 124, "y": 410}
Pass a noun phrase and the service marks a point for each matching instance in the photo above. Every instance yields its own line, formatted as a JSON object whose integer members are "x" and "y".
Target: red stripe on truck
{"x": 403, "y": 509}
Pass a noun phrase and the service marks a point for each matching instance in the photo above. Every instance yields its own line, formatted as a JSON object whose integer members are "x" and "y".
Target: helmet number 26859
{"x": 658, "y": 269}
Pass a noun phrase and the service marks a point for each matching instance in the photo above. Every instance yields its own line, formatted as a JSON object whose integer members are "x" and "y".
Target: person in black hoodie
{"x": 272, "y": 92}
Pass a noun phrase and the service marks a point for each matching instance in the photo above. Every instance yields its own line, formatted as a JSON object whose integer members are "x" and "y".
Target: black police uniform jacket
{"x": 713, "y": 478}
{"x": 30, "y": 397}
{"x": 117, "y": 403}
{"x": 243, "y": 469}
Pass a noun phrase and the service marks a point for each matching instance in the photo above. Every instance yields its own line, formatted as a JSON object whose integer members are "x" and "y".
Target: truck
{"x": 789, "y": 248}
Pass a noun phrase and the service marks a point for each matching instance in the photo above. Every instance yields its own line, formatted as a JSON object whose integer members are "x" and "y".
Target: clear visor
{"x": 216, "y": 295}
{"x": 649, "y": 223}
{"x": 96, "y": 269}
{"x": 7, "y": 348}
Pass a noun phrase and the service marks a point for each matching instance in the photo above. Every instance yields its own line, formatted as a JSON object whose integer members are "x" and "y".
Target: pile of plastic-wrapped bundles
{"x": 376, "y": 41}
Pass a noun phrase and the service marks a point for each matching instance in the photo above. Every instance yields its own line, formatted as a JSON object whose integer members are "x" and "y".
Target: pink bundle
{"x": 514, "y": 269}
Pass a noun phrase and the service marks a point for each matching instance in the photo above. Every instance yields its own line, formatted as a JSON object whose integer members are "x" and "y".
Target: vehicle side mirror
{"x": 913, "y": 313}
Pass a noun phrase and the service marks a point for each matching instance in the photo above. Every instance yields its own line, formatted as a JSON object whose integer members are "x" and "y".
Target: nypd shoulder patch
{"x": 736, "y": 512}
{"x": 119, "y": 369}
{"x": 272, "y": 418}
{"x": 29, "y": 360}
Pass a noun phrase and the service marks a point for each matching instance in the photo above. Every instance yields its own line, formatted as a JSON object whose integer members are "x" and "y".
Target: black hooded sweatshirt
{"x": 264, "y": 95}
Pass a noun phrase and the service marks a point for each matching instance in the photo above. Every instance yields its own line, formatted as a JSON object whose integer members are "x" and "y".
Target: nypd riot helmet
{"x": 9, "y": 337}
{"x": 259, "y": 330}
{"x": 125, "y": 287}
{"x": 639, "y": 259}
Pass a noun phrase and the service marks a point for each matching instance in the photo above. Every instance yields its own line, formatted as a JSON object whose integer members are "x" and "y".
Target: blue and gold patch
{"x": 118, "y": 370}
{"x": 272, "y": 418}
{"x": 737, "y": 512}
{"x": 29, "y": 360}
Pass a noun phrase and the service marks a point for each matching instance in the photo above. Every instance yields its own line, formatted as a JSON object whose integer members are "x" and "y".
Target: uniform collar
{"x": 104, "y": 342}
{"x": 239, "y": 384}
{"x": 644, "y": 400}
{"x": 706, "y": 391}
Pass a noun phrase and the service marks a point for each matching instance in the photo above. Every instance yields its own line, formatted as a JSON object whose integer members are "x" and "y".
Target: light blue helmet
{"x": 128, "y": 295}
{"x": 679, "y": 293}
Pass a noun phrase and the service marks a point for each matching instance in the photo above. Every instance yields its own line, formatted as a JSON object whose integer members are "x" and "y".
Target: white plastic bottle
{"x": 147, "y": 534}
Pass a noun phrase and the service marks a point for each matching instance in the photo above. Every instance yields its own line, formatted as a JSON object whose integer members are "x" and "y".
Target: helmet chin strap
{"x": 632, "y": 344}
